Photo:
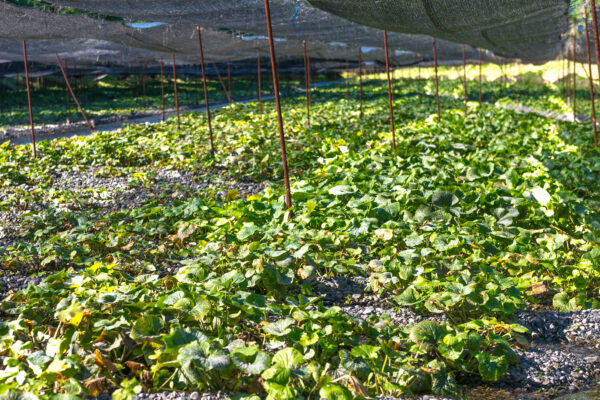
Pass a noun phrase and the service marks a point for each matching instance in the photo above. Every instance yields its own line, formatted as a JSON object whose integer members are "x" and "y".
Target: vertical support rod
{"x": 419, "y": 60}
{"x": 288, "y": 193}
{"x": 347, "y": 81}
{"x": 389, "y": 82}
{"x": 258, "y": 69}
{"x": 229, "y": 77}
{"x": 568, "y": 81}
{"x": 176, "y": 93}
{"x": 73, "y": 94}
{"x": 574, "y": 51}
{"x": 162, "y": 91}
{"x": 306, "y": 84}
{"x": 437, "y": 85}
{"x": 595, "y": 28}
{"x": 591, "y": 79}
{"x": 29, "y": 99}
{"x": 360, "y": 83}
{"x": 309, "y": 85}
{"x": 67, "y": 94}
{"x": 222, "y": 83}
{"x": 212, "y": 145}
{"x": 480, "y": 81}
{"x": 144, "y": 84}
{"x": 464, "y": 54}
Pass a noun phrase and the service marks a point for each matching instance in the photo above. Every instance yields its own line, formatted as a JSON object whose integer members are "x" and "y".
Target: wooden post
{"x": 176, "y": 94}
{"x": 162, "y": 91}
{"x": 390, "y": 97}
{"x": 437, "y": 88}
{"x": 306, "y": 84}
{"x": 73, "y": 94}
{"x": 212, "y": 145}
{"x": 360, "y": 83}
{"x": 464, "y": 54}
{"x": 260, "y": 107}
{"x": 29, "y": 99}
{"x": 288, "y": 193}
{"x": 591, "y": 80}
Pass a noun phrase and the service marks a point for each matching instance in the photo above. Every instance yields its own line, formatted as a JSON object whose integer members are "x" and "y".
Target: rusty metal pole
{"x": 144, "y": 84}
{"x": 67, "y": 95}
{"x": 595, "y": 28}
{"x": 176, "y": 94}
{"x": 419, "y": 60}
{"x": 222, "y": 83}
{"x": 390, "y": 98}
{"x": 288, "y": 193}
{"x": 591, "y": 79}
{"x": 29, "y": 99}
{"x": 574, "y": 75}
{"x": 464, "y": 53}
{"x": 73, "y": 94}
{"x": 360, "y": 83}
{"x": 568, "y": 81}
{"x": 212, "y": 145}
{"x": 162, "y": 91}
{"x": 309, "y": 76}
{"x": 306, "y": 84}
{"x": 229, "y": 77}
{"x": 480, "y": 81}
{"x": 258, "y": 69}
{"x": 437, "y": 86}
{"x": 347, "y": 80}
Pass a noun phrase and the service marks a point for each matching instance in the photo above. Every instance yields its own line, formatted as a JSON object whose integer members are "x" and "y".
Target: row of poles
{"x": 307, "y": 78}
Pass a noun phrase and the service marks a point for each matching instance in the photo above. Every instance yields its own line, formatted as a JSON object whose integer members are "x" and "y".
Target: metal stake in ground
{"x": 212, "y": 146}
{"x": 306, "y": 84}
{"x": 67, "y": 94}
{"x": 176, "y": 94}
{"x": 574, "y": 51}
{"x": 591, "y": 80}
{"x": 288, "y": 193}
{"x": 73, "y": 94}
{"x": 222, "y": 83}
{"x": 360, "y": 83}
{"x": 309, "y": 85}
{"x": 347, "y": 81}
{"x": 29, "y": 99}
{"x": 480, "y": 81}
{"x": 419, "y": 76}
{"x": 229, "y": 78}
{"x": 162, "y": 91}
{"x": 437, "y": 85}
{"x": 567, "y": 81}
{"x": 258, "y": 69}
{"x": 464, "y": 51}
{"x": 595, "y": 27}
{"x": 144, "y": 85}
{"x": 389, "y": 81}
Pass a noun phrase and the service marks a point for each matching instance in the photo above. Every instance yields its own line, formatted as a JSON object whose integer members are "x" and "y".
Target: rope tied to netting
{"x": 293, "y": 20}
